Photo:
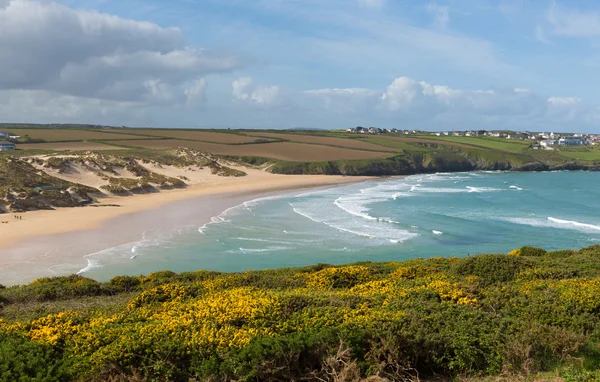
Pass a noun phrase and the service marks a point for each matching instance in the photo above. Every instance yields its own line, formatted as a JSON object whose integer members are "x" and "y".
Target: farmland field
{"x": 429, "y": 141}
{"x": 54, "y": 135}
{"x": 581, "y": 155}
{"x": 340, "y": 142}
{"x": 196, "y": 135}
{"x": 67, "y": 146}
{"x": 278, "y": 150}
{"x": 512, "y": 145}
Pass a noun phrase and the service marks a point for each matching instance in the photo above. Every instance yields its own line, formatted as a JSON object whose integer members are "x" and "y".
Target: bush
{"x": 25, "y": 360}
{"x": 491, "y": 268}
{"x": 56, "y": 288}
{"x": 440, "y": 318}
{"x": 125, "y": 283}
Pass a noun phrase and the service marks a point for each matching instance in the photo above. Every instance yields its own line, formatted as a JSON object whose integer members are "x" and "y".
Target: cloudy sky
{"x": 447, "y": 64}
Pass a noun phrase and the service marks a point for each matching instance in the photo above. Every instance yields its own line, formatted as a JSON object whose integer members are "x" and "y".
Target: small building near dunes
{"x": 7, "y": 146}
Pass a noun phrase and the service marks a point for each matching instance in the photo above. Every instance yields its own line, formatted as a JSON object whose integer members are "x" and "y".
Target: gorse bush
{"x": 483, "y": 315}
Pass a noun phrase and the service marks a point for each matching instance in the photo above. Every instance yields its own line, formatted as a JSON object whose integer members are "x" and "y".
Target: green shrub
{"x": 125, "y": 283}
{"x": 55, "y": 288}
{"x": 25, "y": 360}
{"x": 533, "y": 251}
{"x": 492, "y": 268}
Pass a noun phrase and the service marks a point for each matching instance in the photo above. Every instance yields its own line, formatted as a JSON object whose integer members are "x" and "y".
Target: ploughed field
{"x": 68, "y": 146}
{"x": 321, "y": 140}
{"x": 196, "y": 135}
{"x": 288, "y": 151}
{"x": 64, "y": 135}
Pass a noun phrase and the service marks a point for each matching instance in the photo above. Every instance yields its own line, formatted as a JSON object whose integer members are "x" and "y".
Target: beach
{"x": 51, "y": 243}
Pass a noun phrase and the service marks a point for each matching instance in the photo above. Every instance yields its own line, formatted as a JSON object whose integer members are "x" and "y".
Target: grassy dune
{"x": 527, "y": 314}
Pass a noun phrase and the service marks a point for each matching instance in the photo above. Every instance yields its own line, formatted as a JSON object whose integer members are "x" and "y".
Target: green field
{"x": 510, "y": 145}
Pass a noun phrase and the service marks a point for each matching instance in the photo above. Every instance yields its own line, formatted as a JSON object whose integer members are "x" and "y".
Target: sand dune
{"x": 202, "y": 182}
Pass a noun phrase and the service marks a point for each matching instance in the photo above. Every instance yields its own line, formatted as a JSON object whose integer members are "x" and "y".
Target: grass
{"x": 510, "y": 145}
{"x": 592, "y": 154}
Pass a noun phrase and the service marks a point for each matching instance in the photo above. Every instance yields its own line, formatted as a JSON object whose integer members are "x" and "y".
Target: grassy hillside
{"x": 528, "y": 314}
{"x": 315, "y": 152}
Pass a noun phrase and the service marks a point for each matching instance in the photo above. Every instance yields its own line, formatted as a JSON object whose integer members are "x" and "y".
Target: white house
{"x": 573, "y": 141}
{"x": 4, "y": 135}
{"x": 7, "y": 146}
{"x": 549, "y": 142}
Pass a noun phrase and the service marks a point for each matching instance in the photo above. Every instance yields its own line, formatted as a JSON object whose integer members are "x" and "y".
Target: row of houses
{"x": 377, "y": 130}
{"x": 572, "y": 140}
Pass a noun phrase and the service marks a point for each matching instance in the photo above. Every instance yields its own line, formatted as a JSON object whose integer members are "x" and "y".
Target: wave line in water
{"x": 574, "y": 223}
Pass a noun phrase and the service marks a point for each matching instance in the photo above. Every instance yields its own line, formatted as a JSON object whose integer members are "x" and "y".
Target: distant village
{"x": 542, "y": 140}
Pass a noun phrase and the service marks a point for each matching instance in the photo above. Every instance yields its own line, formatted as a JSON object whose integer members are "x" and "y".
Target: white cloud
{"x": 540, "y": 35}
{"x": 372, "y": 3}
{"x": 440, "y": 106}
{"x": 48, "y": 46}
{"x": 244, "y": 89}
{"x": 564, "y": 100}
{"x": 404, "y": 94}
{"x": 573, "y": 23}
{"x": 441, "y": 16}
{"x": 196, "y": 93}
{"x": 341, "y": 92}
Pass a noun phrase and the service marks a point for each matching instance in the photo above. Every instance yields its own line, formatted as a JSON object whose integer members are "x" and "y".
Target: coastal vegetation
{"x": 520, "y": 316}
{"x": 47, "y": 181}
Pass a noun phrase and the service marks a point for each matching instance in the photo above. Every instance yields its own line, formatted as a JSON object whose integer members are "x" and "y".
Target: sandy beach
{"x": 39, "y": 244}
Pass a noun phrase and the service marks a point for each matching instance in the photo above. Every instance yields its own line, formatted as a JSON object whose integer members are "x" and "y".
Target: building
{"x": 573, "y": 141}
{"x": 549, "y": 142}
{"x": 7, "y": 146}
{"x": 4, "y": 135}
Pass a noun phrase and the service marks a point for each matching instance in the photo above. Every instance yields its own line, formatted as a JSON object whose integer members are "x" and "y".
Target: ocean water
{"x": 419, "y": 216}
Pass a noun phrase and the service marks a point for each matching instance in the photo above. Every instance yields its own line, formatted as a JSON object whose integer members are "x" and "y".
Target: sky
{"x": 409, "y": 64}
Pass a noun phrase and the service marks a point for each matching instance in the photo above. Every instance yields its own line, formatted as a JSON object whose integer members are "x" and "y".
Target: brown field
{"x": 350, "y": 143}
{"x": 296, "y": 152}
{"x": 197, "y": 135}
{"x": 51, "y": 135}
{"x": 67, "y": 146}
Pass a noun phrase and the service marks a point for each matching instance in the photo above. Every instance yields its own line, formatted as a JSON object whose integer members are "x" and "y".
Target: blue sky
{"x": 455, "y": 64}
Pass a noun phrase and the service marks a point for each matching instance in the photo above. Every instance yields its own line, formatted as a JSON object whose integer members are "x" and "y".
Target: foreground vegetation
{"x": 518, "y": 315}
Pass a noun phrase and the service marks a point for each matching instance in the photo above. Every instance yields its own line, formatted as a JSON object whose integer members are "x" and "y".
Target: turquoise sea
{"x": 380, "y": 220}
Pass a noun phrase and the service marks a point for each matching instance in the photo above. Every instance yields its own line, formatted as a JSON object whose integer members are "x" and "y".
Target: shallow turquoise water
{"x": 390, "y": 219}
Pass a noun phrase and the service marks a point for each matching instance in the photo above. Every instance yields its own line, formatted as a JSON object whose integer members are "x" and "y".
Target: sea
{"x": 386, "y": 219}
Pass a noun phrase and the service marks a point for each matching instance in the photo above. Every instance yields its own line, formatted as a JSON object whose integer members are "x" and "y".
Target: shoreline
{"x": 49, "y": 243}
